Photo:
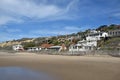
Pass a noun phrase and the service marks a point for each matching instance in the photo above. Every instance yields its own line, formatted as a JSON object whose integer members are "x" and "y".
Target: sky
{"x": 41, "y": 18}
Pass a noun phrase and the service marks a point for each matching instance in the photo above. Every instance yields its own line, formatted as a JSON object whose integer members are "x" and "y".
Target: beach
{"x": 66, "y": 67}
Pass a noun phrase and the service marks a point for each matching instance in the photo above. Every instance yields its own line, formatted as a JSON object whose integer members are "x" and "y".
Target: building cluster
{"x": 43, "y": 47}
{"x": 89, "y": 43}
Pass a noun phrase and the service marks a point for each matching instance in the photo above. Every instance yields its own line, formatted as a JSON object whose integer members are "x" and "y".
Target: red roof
{"x": 46, "y": 45}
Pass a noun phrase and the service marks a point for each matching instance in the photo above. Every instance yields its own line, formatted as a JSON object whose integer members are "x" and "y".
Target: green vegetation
{"x": 59, "y": 40}
{"x": 111, "y": 43}
{"x": 29, "y": 44}
{"x": 106, "y": 28}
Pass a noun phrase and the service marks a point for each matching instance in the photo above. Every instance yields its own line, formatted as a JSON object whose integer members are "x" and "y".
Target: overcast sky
{"x": 39, "y": 18}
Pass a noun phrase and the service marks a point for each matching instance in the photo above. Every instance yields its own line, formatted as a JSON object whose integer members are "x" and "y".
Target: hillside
{"x": 13, "y": 42}
{"x": 110, "y": 44}
{"x": 67, "y": 39}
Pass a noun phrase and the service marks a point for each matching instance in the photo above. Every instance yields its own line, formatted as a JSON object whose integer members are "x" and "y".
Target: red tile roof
{"x": 46, "y": 45}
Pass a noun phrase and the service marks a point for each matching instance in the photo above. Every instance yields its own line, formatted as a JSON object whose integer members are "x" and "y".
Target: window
{"x": 79, "y": 47}
{"x": 75, "y": 47}
{"x": 116, "y": 33}
{"x": 110, "y": 33}
{"x": 100, "y": 34}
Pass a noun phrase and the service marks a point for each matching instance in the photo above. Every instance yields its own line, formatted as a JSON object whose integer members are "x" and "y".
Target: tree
{"x": 102, "y": 28}
{"x": 28, "y": 44}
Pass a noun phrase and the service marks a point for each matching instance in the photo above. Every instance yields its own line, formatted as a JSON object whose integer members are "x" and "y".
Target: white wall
{"x": 17, "y": 47}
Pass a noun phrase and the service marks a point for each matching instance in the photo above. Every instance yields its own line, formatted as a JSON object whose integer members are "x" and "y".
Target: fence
{"x": 115, "y": 53}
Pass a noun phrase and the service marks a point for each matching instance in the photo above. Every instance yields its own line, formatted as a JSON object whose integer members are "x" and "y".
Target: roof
{"x": 55, "y": 46}
{"x": 46, "y": 45}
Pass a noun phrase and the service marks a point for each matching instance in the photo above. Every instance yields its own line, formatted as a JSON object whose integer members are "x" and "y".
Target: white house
{"x": 18, "y": 47}
{"x": 96, "y": 36}
{"x": 33, "y": 49}
{"x": 84, "y": 45}
{"x": 58, "y": 48}
{"x": 90, "y": 43}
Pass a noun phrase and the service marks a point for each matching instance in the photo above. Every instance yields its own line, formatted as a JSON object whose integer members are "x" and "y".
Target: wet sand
{"x": 66, "y": 67}
{"x": 18, "y": 73}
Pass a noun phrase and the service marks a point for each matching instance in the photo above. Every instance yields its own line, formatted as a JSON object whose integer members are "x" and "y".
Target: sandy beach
{"x": 66, "y": 67}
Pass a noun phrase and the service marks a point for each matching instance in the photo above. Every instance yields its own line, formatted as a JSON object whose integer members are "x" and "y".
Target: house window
{"x": 75, "y": 47}
{"x": 86, "y": 47}
{"x": 90, "y": 48}
{"x": 119, "y": 33}
{"x": 100, "y": 34}
{"x": 116, "y": 33}
{"x": 110, "y": 33}
{"x": 79, "y": 47}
